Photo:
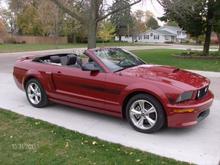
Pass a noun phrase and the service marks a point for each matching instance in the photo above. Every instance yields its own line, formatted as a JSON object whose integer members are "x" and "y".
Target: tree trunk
{"x": 92, "y": 25}
{"x": 207, "y": 40}
{"x": 119, "y": 38}
{"x": 209, "y": 27}
{"x": 92, "y": 30}
{"x": 218, "y": 35}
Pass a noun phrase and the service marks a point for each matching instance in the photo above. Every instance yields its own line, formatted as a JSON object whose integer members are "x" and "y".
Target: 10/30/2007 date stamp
{"x": 25, "y": 146}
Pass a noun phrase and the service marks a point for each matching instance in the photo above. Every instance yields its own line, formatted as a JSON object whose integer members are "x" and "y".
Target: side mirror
{"x": 90, "y": 67}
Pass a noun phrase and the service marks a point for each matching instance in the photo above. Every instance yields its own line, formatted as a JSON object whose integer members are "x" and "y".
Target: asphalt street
{"x": 199, "y": 144}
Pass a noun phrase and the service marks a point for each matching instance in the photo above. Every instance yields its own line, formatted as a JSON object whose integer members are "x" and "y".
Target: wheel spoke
{"x": 141, "y": 104}
{"x": 140, "y": 122}
{"x": 135, "y": 112}
{"x": 150, "y": 121}
{"x": 36, "y": 99}
{"x": 151, "y": 110}
{"x": 32, "y": 88}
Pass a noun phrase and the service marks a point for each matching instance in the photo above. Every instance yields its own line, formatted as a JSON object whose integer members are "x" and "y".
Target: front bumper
{"x": 189, "y": 113}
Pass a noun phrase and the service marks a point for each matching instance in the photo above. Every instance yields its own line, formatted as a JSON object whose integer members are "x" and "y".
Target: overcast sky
{"x": 151, "y": 5}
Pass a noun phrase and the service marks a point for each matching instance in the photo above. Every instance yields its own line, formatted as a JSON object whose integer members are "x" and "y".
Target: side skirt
{"x": 102, "y": 111}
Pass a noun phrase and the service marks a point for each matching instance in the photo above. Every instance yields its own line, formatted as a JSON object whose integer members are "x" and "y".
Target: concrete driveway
{"x": 199, "y": 144}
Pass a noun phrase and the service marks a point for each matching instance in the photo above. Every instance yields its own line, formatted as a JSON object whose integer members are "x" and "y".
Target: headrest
{"x": 69, "y": 59}
{"x": 55, "y": 59}
{"x": 79, "y": 61}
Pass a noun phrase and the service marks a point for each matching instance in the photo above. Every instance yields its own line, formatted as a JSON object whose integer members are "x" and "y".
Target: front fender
{"x": 145, "y": 88}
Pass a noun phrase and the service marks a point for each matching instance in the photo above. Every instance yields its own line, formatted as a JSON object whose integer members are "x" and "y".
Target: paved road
{"x": 199, "y": 144}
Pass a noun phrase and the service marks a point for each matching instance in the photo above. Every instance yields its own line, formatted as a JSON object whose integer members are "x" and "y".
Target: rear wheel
{"x": 145, "y": 113}
{"x": 36, "y": 94}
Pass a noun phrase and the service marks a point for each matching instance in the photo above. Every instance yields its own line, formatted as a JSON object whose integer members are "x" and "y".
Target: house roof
{"x": 166, "y": 33}
{"x": 162, "y": 32}
{"x": 174, "y": 28}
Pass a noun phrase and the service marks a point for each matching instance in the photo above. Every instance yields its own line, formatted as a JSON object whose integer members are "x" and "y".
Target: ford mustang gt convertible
{"x": 114, "y": 81}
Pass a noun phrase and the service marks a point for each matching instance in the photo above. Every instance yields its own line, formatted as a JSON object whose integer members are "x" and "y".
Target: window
{"x": 178, "y": 33}
{"x": 156, "y": 37}
{"x": 140, "y": 37}
{"x": 151, "y": 34}
{"x": 146, "y": 37}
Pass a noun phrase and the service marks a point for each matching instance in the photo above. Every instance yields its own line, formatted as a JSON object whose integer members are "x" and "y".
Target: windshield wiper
{"x": 125, "y": 67}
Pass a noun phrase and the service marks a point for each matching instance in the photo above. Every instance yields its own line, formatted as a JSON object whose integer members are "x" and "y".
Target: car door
{"x": 80, "y": 87}
{"x": 116, "y": 85}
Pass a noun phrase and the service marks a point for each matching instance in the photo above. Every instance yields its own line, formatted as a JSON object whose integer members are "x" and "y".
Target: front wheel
{"x": 145, "y": 113}
{"x": 36, "y": 94}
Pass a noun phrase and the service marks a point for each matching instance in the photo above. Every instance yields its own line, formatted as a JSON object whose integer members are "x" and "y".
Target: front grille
{"x": 202, "y": 92}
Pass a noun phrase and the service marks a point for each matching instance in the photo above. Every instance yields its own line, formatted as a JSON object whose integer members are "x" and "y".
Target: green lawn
{"x": 4, "y": 48}
{"x": 164, "y": 57}
{"x": 25, "y": 140}
{"x": 159, "y": 56}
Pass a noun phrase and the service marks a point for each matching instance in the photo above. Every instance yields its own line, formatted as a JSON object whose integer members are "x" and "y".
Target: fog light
{"x": 184, "y": 110}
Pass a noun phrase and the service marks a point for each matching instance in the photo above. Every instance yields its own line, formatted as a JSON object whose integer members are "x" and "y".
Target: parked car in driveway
{"x": 116, "y": 82}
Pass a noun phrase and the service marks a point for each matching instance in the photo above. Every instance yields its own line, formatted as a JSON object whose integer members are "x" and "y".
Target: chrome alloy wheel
{"x": 34, "y": 93}
{"x": 143, "y": 114}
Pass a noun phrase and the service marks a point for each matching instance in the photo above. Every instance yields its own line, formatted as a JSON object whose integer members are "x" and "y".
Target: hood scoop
{"x": 176, "y": 70}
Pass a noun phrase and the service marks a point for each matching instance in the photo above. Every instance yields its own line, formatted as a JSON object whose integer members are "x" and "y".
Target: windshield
{"x": 117, "y": 59}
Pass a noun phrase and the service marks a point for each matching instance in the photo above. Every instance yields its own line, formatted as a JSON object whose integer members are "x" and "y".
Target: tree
{"x": 37, "y": 17}
{"x": 217, "y": 21}
{"x": 139, "y": 15}
{"x": 91, "y": 15}
{"x": 122, "y": 20}
{"x": 28, "y": 21}
{"x": 208, "y": 25}
{"x": 196, "y": 17}
{"x": 2, "y": 26}
{"x": 2, "y": 30}
{"x": 73, "y": 29}
{"x": 9, "y": 19}
{"x": 107, "y": 30}
{"x": 148, "y": 15}
{"x": 152, "y": 23}
{"x": 171, "y": 23}
{"x": 50, "y": 18}
{"x": 139, "y": 24}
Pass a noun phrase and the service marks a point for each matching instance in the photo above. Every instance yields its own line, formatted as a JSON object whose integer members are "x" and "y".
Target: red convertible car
{"x": 114, "y": 81}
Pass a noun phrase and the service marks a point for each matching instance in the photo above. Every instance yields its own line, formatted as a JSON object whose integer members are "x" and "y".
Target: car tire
{"x": 145, "y": 113}
{"x": 36, "y": 94}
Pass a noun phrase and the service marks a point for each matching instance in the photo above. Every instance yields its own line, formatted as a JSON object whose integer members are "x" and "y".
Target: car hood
{"x": 167, "y": 74}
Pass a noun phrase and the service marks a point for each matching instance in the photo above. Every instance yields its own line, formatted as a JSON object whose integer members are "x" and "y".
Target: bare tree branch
{"x": 117, "y": 10}
{"x": 66, "y": 10}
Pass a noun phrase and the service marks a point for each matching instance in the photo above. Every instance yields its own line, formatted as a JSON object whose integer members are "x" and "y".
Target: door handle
{"x": 59, "y": 72}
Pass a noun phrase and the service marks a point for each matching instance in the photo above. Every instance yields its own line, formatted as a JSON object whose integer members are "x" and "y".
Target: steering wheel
{"x": 124, "y": 61}
{"x": 121, "y": 61}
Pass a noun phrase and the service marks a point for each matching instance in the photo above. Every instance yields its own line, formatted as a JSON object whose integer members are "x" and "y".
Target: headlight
{"x": 185, "y": 96}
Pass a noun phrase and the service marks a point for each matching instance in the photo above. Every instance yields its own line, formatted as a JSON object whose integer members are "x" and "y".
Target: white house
{"x": 124, "y": 38}
{"x": 165, "y": 34}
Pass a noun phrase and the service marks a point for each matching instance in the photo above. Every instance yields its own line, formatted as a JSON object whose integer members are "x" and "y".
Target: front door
{"x": 80, "y": 87}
